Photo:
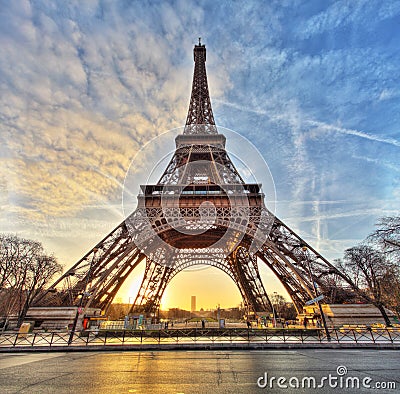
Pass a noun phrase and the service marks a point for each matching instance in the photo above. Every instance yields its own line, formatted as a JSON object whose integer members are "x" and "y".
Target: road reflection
{"x": 184, "y": 371}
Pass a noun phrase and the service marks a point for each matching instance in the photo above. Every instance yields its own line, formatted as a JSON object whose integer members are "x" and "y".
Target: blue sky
{"x": 313, "y": 84}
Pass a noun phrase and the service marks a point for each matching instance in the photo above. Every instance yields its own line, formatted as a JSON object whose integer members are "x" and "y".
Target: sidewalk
{"x": 211, "y": 338}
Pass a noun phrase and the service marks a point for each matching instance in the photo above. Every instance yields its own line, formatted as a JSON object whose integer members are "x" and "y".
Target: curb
{"x": 198, "y": 347}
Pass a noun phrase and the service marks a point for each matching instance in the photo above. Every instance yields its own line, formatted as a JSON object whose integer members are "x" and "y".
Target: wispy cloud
{"x": 343, "y": 13}
{"x": 372, "y": 137}
{"x": 379, "y": 162}
{"x": 85, "y": 86}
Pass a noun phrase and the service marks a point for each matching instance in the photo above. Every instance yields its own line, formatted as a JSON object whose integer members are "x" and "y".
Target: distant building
{"x": 193, "y": 304}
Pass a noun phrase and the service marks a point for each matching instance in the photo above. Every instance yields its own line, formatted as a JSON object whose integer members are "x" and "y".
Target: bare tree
{"x": 366, "y": 270}
{"x": 391, "y": 288}
{"x": 282, "y": 308}
{"x": 13, "y": 253}
{"x": 387, "y": 235}
{"x": 25, "y": 271}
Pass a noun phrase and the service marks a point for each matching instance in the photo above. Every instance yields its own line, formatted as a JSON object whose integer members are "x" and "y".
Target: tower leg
{"x": 100, "y": 273}
{"x": 155, "y": 280}
{"x": 247, "y": 277}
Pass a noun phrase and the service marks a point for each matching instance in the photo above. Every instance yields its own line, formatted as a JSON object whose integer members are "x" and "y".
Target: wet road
{"x": 198, "y": 371}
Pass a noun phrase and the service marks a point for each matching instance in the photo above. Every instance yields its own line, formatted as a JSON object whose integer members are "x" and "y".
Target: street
{"x": 199, "y": 371}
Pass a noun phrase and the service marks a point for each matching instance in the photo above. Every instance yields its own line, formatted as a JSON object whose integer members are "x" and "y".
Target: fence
{"x": 201, "y": 336}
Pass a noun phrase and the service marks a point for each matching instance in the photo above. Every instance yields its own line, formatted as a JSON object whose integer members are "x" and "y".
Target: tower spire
{"x": 200, "y": 118}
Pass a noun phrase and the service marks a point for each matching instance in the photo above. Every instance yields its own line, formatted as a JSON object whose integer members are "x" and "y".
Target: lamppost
{"x": 83, "y": 295}
{"x": 128, "y": 314}
{"x": 305, "y": 249}
{"x": 273, "y": 308}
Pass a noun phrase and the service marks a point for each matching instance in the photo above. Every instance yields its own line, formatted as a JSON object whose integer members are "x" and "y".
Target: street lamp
{"x": 83, "y": 295}
{"x": 305, "y": 249}
{"x": 273, "y": 308}
{"x": 129, "y": 304}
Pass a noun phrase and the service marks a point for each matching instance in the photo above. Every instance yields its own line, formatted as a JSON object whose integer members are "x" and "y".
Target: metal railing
{"x": 201, "y": 336}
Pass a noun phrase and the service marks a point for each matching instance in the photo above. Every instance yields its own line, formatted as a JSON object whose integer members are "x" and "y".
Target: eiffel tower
{"x": 200, "y": 212}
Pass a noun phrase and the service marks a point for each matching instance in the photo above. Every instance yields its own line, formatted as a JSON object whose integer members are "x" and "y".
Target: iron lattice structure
{"x": 200, "y": 212}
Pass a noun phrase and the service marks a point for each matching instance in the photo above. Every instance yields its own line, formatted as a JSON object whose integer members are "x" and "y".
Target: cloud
{"x": 372, "y": 137}
{"x": 342, "y": 13}
{"x": 380, "y": 162}
{"x": 84, "y": 87}
{"x": 387, "y": 94}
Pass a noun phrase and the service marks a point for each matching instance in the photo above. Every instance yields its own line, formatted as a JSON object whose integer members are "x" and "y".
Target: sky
{"x": 314, "y": 85}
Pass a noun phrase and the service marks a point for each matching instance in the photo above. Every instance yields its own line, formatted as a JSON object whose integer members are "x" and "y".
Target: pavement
{"x": 225, "y": 371}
